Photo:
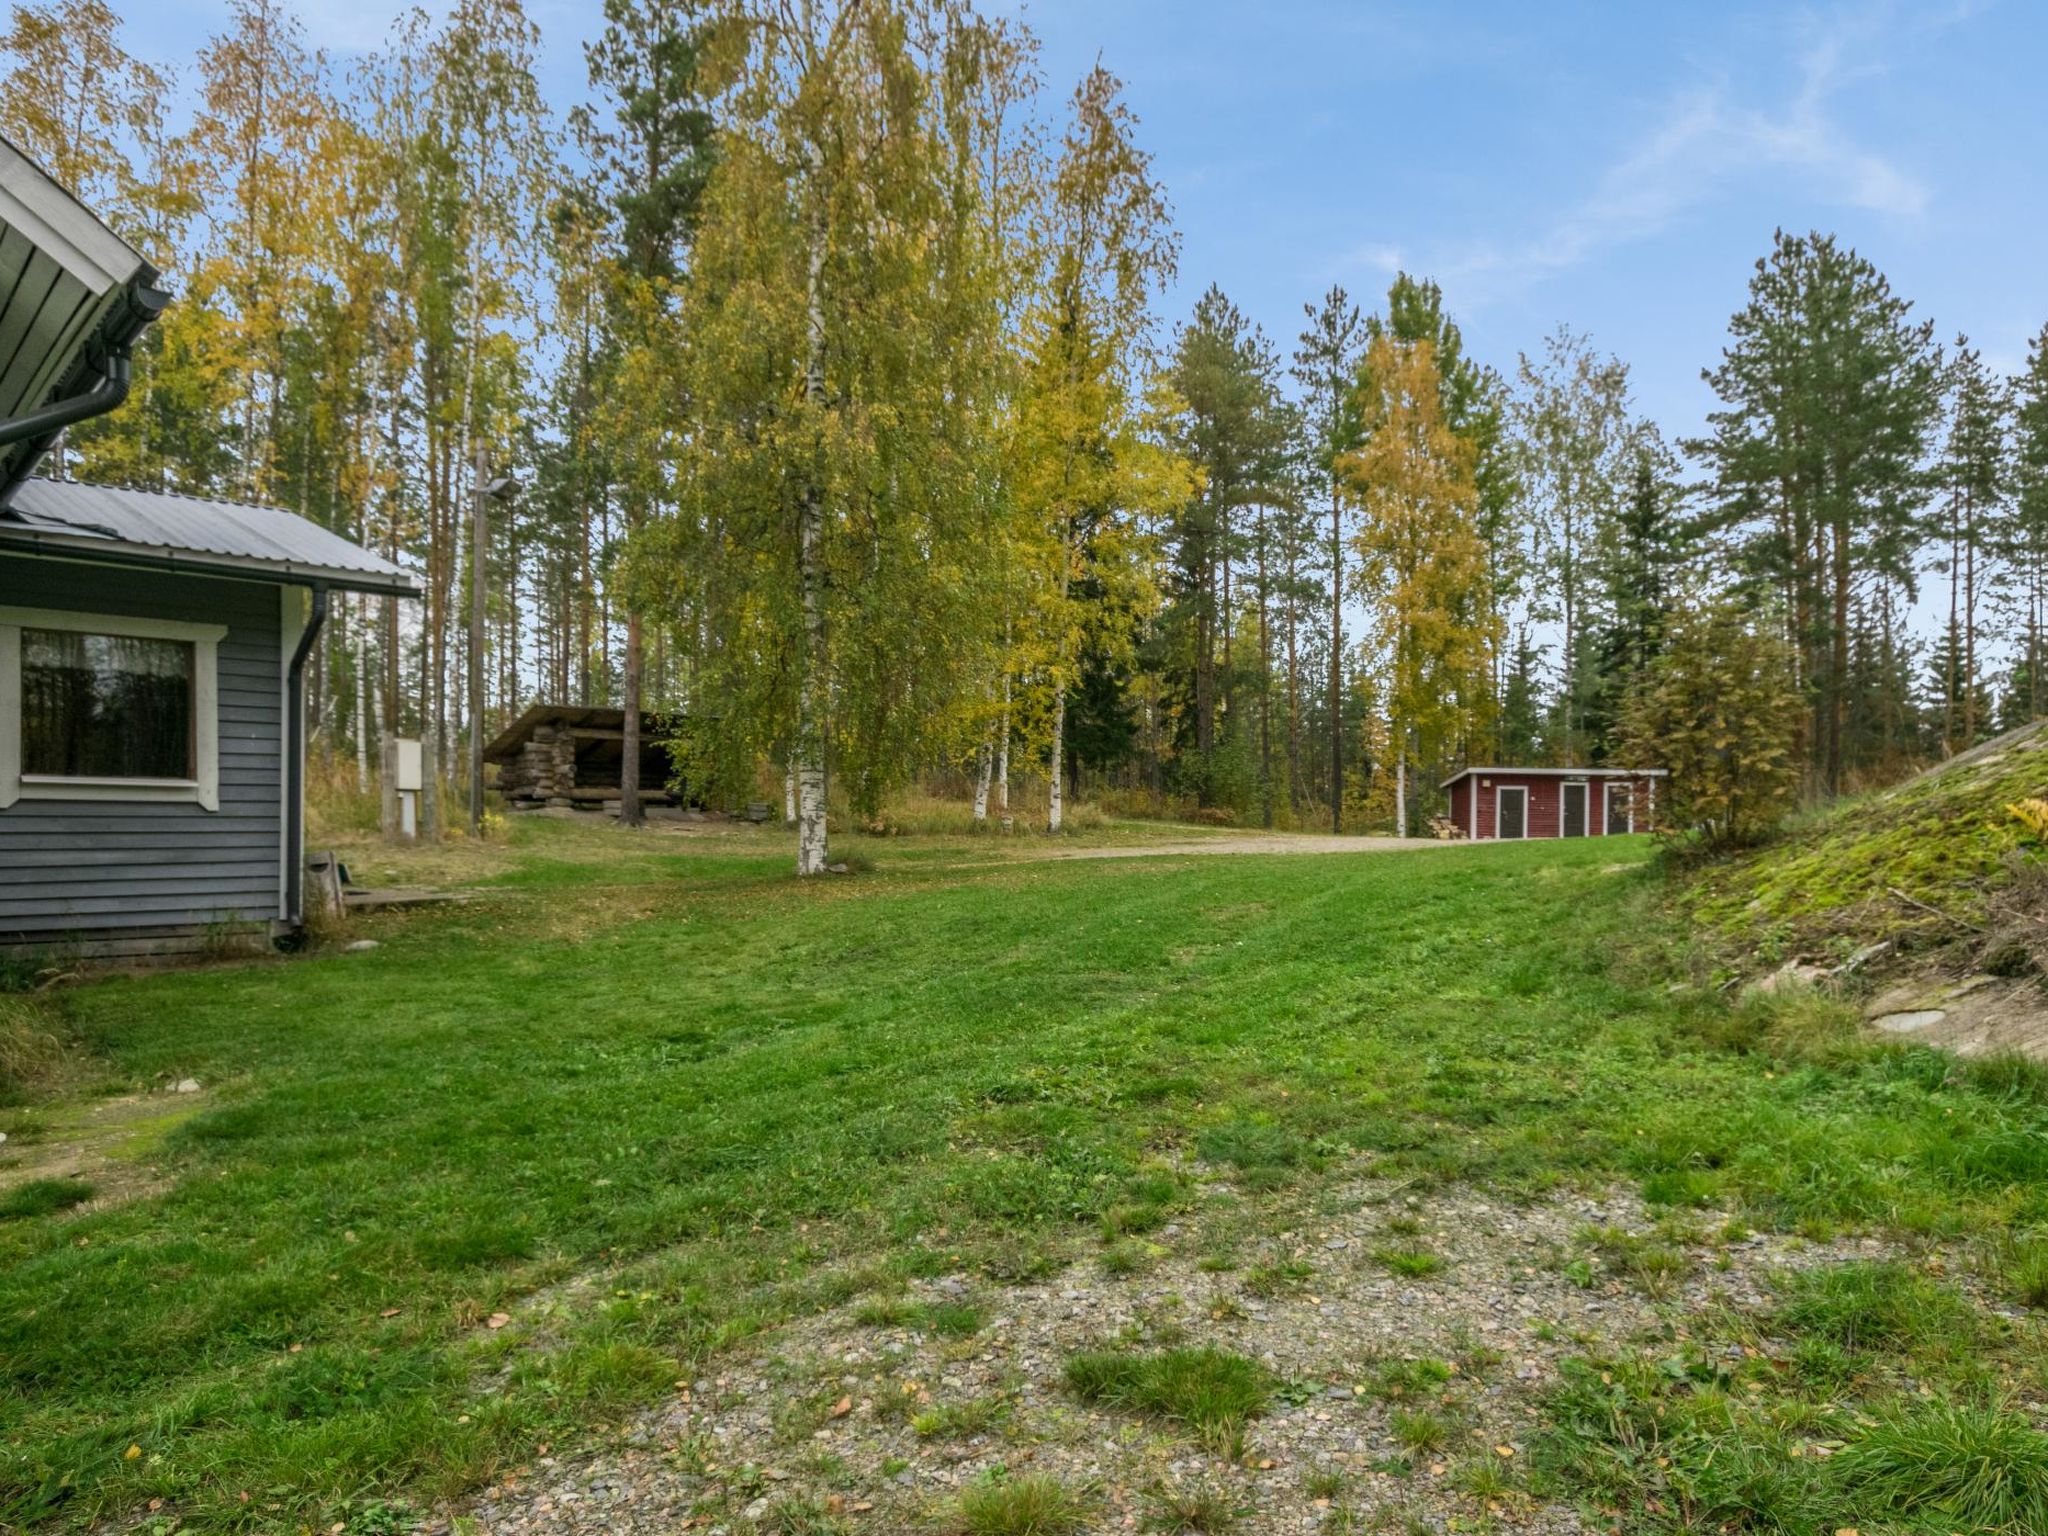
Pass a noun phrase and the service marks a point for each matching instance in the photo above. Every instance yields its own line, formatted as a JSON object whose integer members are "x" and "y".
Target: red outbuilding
{"x": 1490, "y": 803}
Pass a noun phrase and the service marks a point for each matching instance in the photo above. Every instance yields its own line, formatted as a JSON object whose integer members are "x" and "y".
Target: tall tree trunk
{"x": 1054, "y": 811}
{"x": 631, "y": 813}
{"x": 1336, "y": 663}
{"x": 984, "y": 766}
{"x": 812, "y": 698}
{"x": 1265, "y": 683}
{"x": 1838, "y": 713}
{"x": 430, "y": 753}
{"x": 1951, "y": 654}
{"x": 2034, "y": 646}
{"x": 362, "y": 695}
{"x": 1003, "y": 755}
{"x": 1400, "y": 782}
{"x": 1970, "y": 628}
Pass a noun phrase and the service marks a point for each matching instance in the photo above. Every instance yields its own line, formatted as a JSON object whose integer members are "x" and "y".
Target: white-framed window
{"x": 97, "y": 706}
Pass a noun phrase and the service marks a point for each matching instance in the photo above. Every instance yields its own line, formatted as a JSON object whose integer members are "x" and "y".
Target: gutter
{"x": 295, "y": 763}
{"x": 55, "y": 544}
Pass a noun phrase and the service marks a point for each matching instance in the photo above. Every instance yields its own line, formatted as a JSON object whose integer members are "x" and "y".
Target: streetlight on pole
{"x": 482, "y": 493}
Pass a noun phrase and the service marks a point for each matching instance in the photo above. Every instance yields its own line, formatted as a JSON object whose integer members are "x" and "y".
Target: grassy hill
{"x": 548, "y": 1162}
{"x": 1938, "y": 862}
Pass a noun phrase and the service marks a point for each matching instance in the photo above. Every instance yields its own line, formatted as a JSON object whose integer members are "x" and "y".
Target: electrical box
{"x": 405, "y": 767}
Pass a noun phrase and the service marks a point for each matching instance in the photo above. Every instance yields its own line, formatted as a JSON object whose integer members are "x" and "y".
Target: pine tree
{"x": 657, "y": 156}
{"x": 1829, "y": 399}
{"x": 2023, "y": 538}
{"x": 1325, "y": 367}
{"x": 1973, "y": 479}
{"x": 1231, "y": 427}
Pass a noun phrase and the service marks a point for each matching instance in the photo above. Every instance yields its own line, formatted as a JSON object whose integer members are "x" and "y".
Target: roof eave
{"x": 1605, "y": 773}
{"x": 189, "y": 562}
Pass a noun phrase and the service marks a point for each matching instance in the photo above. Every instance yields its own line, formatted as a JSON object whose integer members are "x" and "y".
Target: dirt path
{"x": 868, "y": 1418}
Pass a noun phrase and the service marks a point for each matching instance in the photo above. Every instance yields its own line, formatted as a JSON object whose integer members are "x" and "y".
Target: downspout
{"x": 295, "y": 763}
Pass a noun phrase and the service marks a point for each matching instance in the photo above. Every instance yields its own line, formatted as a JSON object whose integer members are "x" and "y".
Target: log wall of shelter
{"x": 566, "y": 765}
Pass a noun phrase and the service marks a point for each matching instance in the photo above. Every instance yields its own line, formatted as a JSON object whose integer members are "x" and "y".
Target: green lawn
{"x": 708, "y": 1098}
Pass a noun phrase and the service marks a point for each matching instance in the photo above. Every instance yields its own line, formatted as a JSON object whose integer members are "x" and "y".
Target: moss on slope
{"x": 1915, "y": 863}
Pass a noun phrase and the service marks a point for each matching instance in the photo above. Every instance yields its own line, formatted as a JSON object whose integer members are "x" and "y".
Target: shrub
{"x": 43, "y": 1197}
{"x": 32, "y": 1057}
{"x": 1209, "y": 1392}
{"x": 1981, "y": 1469}
{"x": 1863, "y": 1305}
{"x": 1037, "y": 1505}
{"x": 1197, "y": 1509}
{"x": 1420, "y": 1429}
{"x": 1720, "y": 712}
{"x": 2020, "y": 1265}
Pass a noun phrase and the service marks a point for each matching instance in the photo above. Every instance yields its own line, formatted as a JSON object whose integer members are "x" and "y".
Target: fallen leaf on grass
{"x": 390, "y": 1312}
{"x": 842, "y": 1408}
{"x": 497, "y": 1319}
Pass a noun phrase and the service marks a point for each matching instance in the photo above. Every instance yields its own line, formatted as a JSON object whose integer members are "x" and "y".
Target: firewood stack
{"x": 544, "y": 772}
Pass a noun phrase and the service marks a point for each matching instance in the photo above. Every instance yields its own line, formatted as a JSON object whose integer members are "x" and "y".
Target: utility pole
{"x": 482, "y": 494}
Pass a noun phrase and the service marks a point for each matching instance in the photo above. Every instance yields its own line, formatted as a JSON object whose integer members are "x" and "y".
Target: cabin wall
{"x": 1546, "y": 803}
{"x": 112, "y": 877}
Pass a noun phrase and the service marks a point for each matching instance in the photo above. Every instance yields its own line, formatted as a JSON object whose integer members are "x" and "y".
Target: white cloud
{"x": 1708, "y": 140}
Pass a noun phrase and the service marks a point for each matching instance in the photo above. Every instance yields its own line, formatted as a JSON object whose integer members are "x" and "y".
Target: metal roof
{"x": 157, "y": 528}
{"x": 70, "y": 290}
{"x": 1574, "y": 773}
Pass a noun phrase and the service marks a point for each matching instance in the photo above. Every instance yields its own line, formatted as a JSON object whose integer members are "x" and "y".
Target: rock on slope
{"x": 1933, "y": 891}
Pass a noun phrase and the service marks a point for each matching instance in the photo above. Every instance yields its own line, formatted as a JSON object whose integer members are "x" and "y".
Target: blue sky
{"x": 1616, "y": 167}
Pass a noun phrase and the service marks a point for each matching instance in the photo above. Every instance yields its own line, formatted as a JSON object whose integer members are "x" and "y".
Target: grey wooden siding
{"x": 82, "y": 871}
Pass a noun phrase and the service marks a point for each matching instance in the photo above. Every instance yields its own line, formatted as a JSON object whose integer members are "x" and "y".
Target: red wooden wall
{"x": 1546, "y": 803}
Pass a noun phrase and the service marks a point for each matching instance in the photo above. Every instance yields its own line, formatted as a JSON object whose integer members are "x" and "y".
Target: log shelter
{"x": 568, "y": 756}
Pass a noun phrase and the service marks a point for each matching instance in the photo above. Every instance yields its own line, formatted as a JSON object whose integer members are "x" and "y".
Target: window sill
{"x": 38, "y": 786}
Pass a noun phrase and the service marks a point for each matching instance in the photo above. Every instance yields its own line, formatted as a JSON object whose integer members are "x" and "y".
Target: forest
{"x": 824, "y": 343}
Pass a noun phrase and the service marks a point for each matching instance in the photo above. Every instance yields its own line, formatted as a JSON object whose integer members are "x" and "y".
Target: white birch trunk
{"x": 1003, "y": 756}
{"x": 1401, "y": 790}
{"x": 811, "y": 856}
{"x": 1059, "y": 744}
{"x": 984, "y": 767}
{"x": 789, "y": 795}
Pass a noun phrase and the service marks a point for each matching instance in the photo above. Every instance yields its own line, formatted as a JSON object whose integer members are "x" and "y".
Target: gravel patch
{"x": 875, "y": 1419}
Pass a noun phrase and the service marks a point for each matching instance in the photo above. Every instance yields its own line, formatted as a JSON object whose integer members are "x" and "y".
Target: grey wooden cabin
{"x": 152, "y": 646}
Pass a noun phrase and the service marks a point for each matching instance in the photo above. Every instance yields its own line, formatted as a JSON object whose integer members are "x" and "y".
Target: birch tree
{"x": 1422, "y": 556}
{"x": 841, "y": 289}
{"x": 1573, "y": 419}
{"x": 1084, "y": 474}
